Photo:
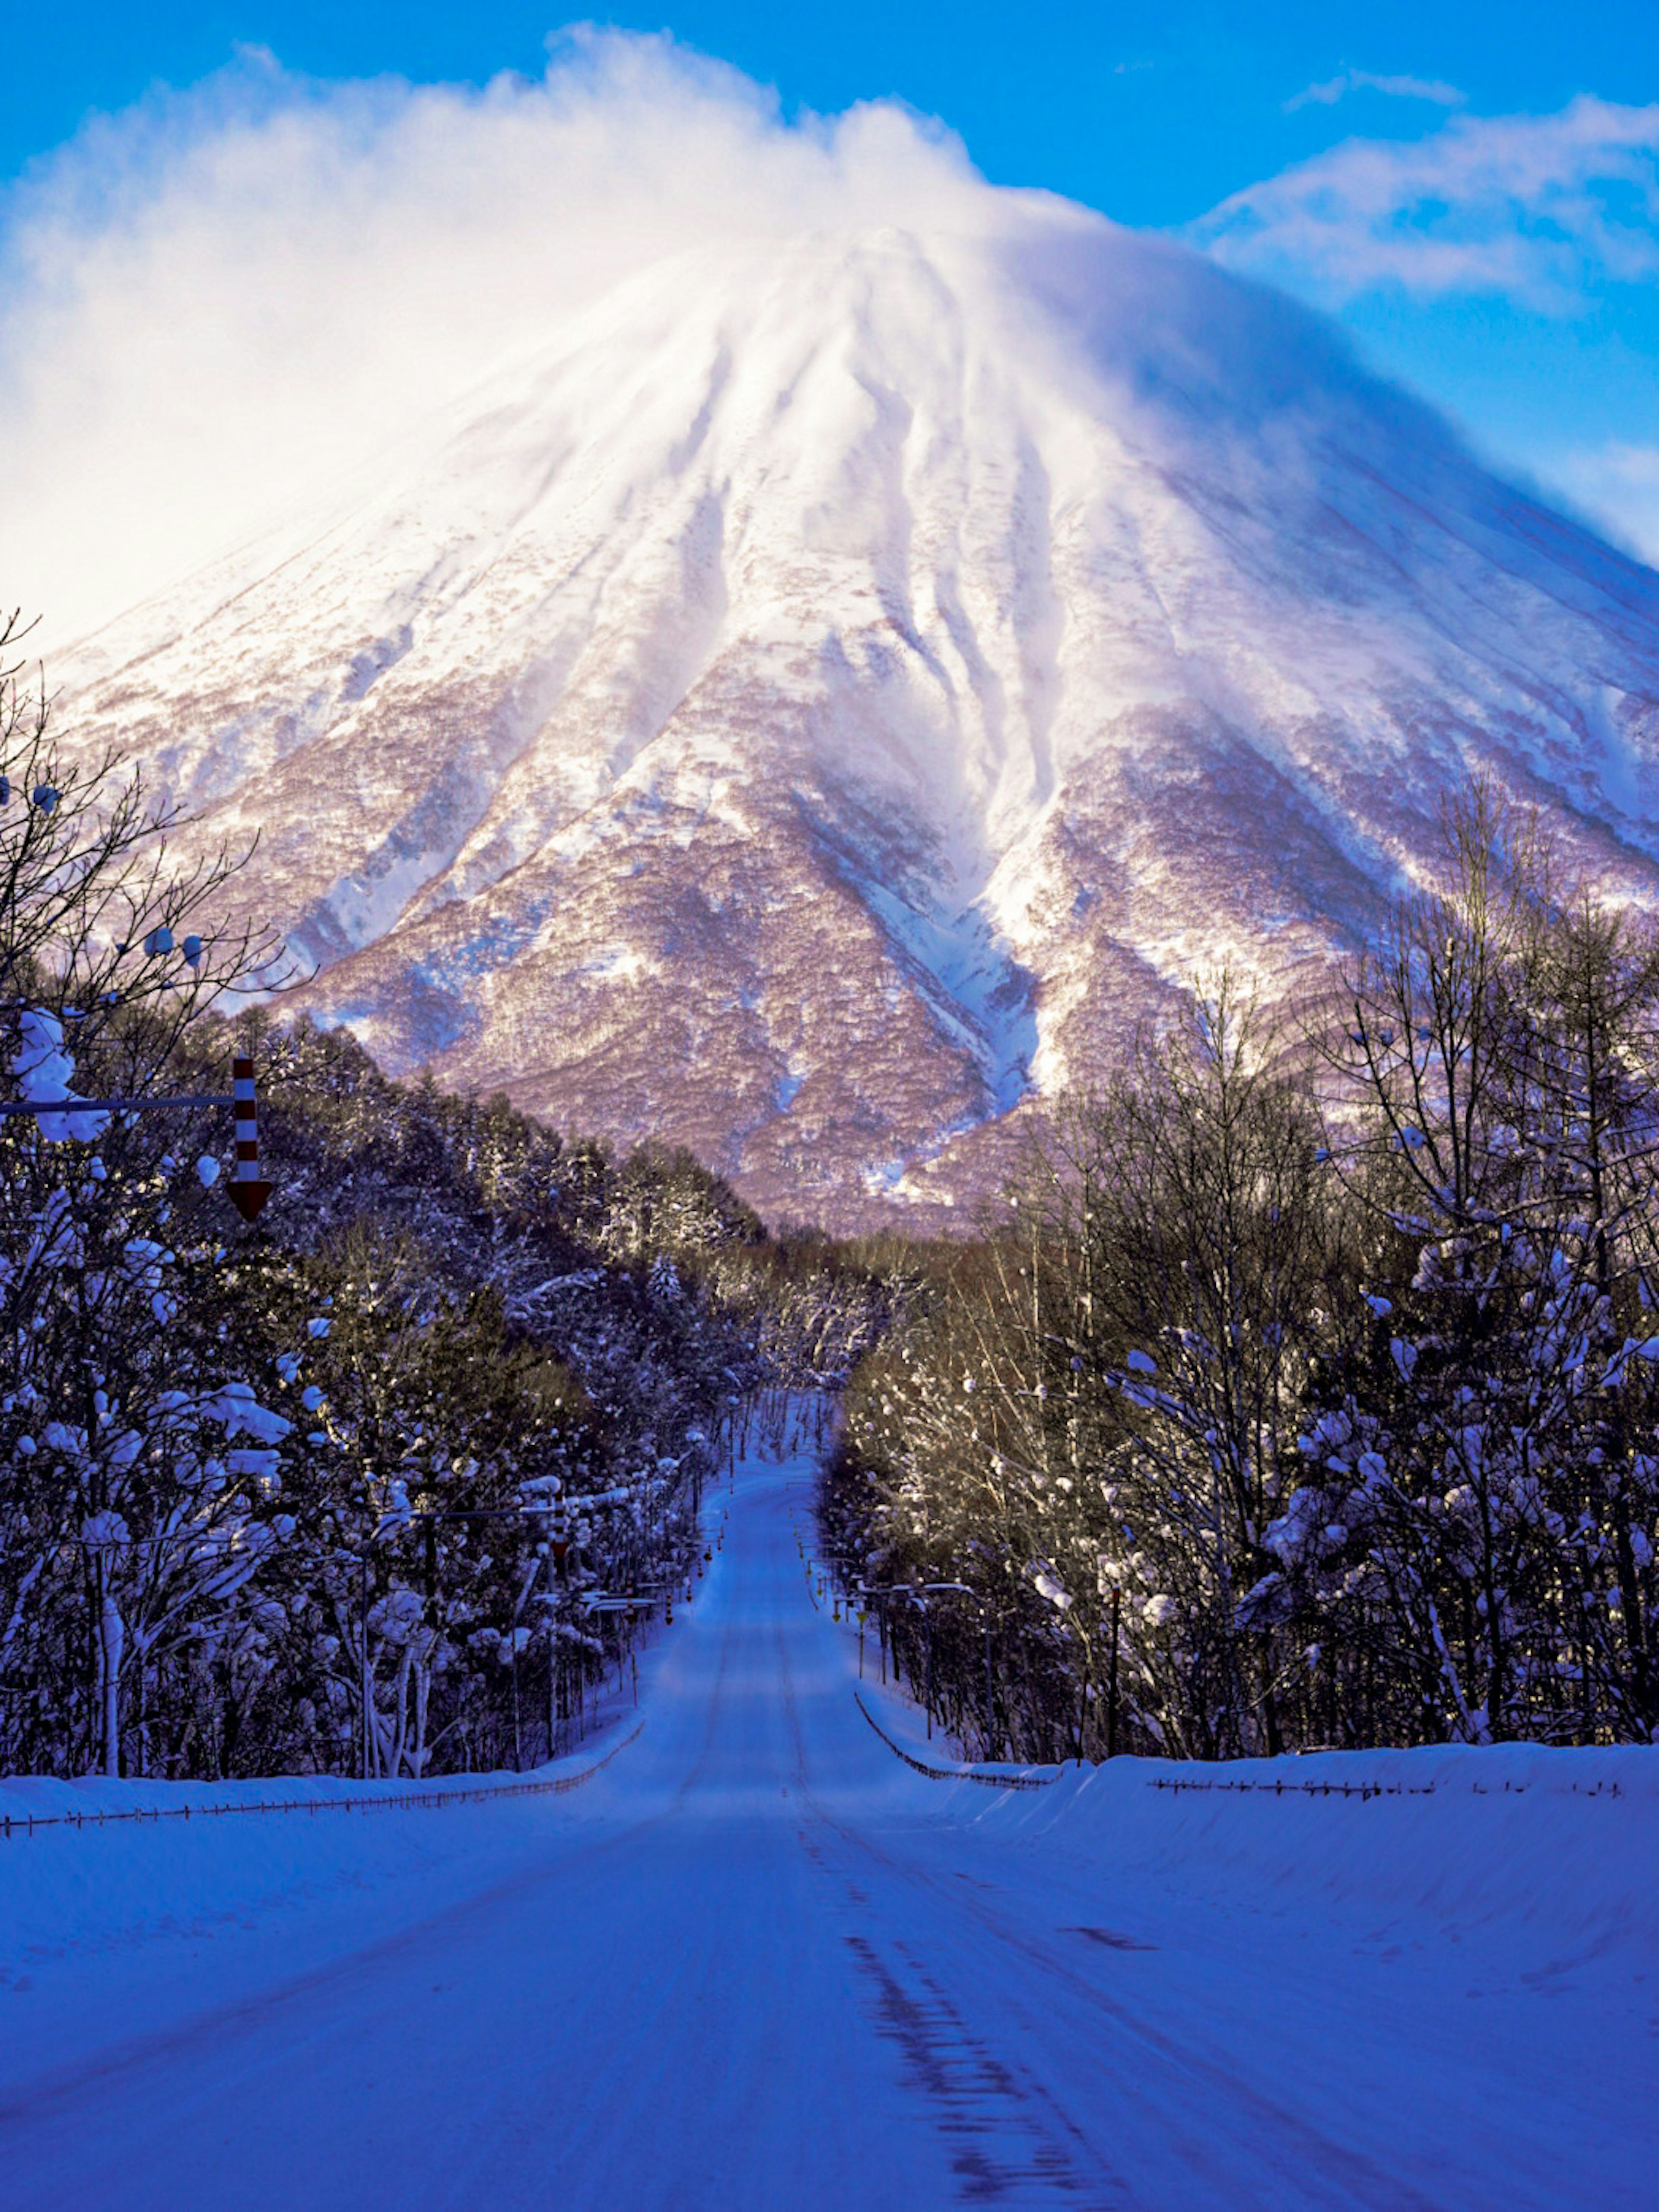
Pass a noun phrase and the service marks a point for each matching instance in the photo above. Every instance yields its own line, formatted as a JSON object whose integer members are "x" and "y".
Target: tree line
{"x": 390, "y": 1482}
{"x": 1303, "y": 1394}
{"x": 1307, "y": 1396}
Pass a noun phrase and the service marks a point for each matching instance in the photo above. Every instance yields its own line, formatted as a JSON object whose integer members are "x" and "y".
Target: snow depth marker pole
{"x": 248, "y": 1193}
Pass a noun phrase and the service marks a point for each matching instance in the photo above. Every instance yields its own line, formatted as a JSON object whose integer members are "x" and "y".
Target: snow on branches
{"x": 1323, "y": 1351}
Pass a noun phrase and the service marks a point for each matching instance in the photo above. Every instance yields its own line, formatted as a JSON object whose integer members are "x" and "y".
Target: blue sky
{"x": 1472, "y": 187}
{"x": 1152, "y": 113}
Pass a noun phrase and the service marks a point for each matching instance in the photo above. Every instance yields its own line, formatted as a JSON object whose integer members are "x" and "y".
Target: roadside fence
{"x": 954, "y": 1773}
{"x": 25, "y": 1823}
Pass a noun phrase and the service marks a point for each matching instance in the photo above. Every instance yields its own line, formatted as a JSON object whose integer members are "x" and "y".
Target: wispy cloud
{"x": 1541, "y": 208}
{"x": 1394, "y": 88}
{"x": 227, "y": 296}
{"x": 1616, "y": 485}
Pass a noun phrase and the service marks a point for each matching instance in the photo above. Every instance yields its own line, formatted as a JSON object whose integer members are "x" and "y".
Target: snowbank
{"x": 117, "y": 1910}
{"x": 1562, "y": 1842}
{"x": 902, "y": 1726}
{"x": 29, "y": 1803}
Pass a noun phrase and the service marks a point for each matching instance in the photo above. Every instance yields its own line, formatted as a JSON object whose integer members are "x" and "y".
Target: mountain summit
{"x": 835, "y": 686}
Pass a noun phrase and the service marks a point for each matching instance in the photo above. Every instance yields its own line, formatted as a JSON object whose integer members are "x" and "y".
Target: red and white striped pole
{"x": 248, "y": 1193}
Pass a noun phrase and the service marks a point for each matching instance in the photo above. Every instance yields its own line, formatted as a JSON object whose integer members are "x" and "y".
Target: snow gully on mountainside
{"x": 759, "y": 1959}
{"x": 839, "y": 682}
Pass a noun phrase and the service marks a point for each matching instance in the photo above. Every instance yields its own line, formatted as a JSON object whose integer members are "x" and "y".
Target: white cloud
{"x": 1337, "y": 87}
{"x": 226, "y": 296}
{"x": 1539, "y": 208}
{"x": 1616, "y": 486}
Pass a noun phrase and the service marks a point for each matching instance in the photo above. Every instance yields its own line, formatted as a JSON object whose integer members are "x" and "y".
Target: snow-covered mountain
{"x": 833, "y": 687}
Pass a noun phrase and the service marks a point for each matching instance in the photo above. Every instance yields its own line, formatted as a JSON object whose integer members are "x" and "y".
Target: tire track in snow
{"x": 1187, "y": 2080}
{"x": 998, "y": 2155}
{"x": 1008, "y": 2142}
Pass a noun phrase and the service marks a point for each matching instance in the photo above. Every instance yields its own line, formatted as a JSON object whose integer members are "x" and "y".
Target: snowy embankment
{"x": 30, "y": 1803}
{"x": 1557, "y": 1845}
{"x": 137, "y": 1904}
{"x": 1561, "y": 1844}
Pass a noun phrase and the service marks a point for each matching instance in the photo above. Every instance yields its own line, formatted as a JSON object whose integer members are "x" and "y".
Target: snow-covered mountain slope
{"x": 832, "y": 688}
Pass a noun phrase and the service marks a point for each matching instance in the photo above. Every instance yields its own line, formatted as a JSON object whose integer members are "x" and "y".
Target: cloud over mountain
{"x": 229, "y": 293}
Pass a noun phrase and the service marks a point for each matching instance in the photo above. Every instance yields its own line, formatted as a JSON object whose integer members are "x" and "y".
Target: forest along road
{"x": 759, "y": 1962}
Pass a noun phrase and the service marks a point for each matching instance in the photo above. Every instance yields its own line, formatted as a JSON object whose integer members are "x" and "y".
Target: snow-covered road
{"x": 759, "y": 1962}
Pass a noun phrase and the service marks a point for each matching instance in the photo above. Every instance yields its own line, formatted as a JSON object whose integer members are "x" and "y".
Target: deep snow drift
{"x": 758, "y": 1960}
{"x": 840, "y": 680}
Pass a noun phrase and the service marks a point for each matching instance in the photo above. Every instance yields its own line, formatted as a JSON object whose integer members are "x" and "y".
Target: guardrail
{"x": 953, "y": 1773}
{"x": 25, "y": 1823}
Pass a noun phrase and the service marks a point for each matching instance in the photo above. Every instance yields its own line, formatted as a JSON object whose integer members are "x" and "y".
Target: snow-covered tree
{"x": 1322, "y": 1395}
